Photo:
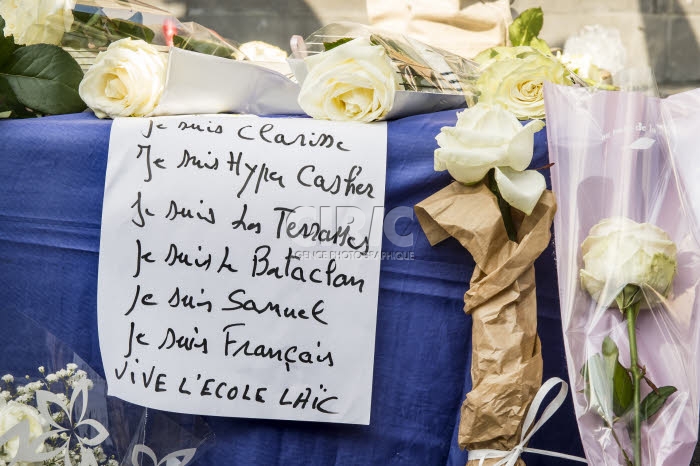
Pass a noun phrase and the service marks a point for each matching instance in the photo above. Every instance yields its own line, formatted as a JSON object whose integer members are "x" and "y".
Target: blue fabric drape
{"x": 52, "y": 173}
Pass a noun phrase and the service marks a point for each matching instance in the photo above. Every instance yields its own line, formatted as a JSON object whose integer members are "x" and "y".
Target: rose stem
{"x": 647, "y": 380}
{"x": 631, "y": 314}
{"x": 503, "y": 206}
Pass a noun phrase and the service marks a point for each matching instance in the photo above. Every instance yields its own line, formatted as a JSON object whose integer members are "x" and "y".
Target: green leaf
{"x": 539, "y": 44}
{"x": 124, "y": 28}
{"x": 9, "y": 105}
{"x": 331, "y": 45}
{"x": 44, "y": 78}
{"x": 526, "y": 26}
{"x": 654, "y": 401}
{"x": 7, "y": 44}
{"x": 623, "y": 389}
{"x": 89, "y": 30}
{"x": 202, "y": 46}
{"x": 83, "y": 18}
{"x": 92, "y": 30}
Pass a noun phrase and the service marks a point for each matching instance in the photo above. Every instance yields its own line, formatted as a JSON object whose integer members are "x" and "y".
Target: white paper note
{"x": 239, "y": 265}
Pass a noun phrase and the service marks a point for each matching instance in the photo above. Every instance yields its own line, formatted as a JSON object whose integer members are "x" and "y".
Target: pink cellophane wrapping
{"x": 613, "y": 158}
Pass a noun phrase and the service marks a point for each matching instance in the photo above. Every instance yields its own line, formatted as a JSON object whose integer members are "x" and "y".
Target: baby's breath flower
{"x": 63, "y": 373}
{"x": 71, "y": 367}
{"x": 51, "y": 378}
{"x": 99, "y": 454}
{"x": 34, "y": 386}
{"x": 41, "y": 369}
{"x": 8, "y": 378}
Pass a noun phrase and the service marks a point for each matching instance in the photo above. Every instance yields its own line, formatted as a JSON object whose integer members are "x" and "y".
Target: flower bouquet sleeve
{"x": 628, "y": 274}
{"x": 354, "y": 72}
{"x": 55, "y": 411}
{"x": 86, "y": 27}
{"x": 501, "y": 213}
{"x": 682, "y": 119}
{"x": 47, "y": 47}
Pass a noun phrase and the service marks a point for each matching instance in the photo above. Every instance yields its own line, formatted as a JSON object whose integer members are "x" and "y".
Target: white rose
{"x": 12, "y": 414}
{"x": 127, "y": 79}
{"x": 517, "y": 82}
{"x": 487, "y": 137}
{"x": 37, "y": 21}
{"x": 620, "y": 252}
{"x": 355, "y": 81}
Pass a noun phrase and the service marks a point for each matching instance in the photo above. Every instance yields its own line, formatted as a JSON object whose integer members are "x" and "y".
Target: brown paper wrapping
{"x": 506, "y": 353}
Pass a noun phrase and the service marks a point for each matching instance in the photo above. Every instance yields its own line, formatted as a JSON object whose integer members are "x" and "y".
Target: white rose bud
{"x": 355, "y": 81}
{"x": 37, "y": 21}
{"x": 127, "y": 79}
{"x": 517, "y": 82}
{"x": 620, "y": 252}
{"x": 487, "y": 137}
{"x": 12, "y": 414}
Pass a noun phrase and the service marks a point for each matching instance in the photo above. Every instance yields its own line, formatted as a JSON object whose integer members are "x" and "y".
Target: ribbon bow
{"x": 509, "y": 458}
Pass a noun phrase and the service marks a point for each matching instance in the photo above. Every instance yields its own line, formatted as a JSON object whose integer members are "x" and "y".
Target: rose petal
{"x": 519, "y": 154}
{"x": 521, "y": 190}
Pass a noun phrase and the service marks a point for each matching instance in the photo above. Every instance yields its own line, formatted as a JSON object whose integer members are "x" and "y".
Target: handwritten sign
{"x": 239, "y": 265}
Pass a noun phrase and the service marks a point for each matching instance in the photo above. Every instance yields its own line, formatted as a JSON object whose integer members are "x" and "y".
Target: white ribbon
{"x": 509, "y": 458}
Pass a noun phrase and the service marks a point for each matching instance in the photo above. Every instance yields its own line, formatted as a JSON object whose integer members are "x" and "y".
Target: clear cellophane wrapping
{"x": 613, "y": 158}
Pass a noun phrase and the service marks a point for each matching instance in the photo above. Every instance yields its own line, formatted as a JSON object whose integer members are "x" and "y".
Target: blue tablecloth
{"x": 52, "y": 173}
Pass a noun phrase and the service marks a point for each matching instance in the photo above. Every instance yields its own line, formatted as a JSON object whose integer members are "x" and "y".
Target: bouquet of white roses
{"x": 628, "y": 277}
{"x": 357, "y": 73}
{"x": 122, "y": 45}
